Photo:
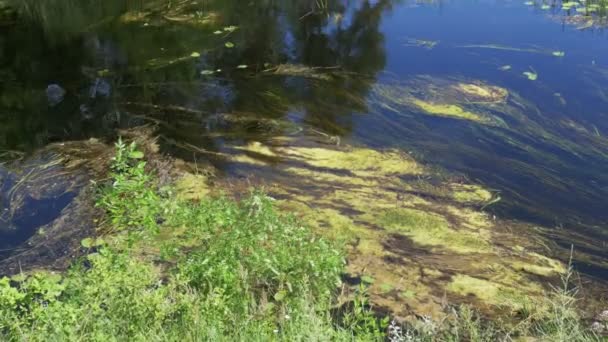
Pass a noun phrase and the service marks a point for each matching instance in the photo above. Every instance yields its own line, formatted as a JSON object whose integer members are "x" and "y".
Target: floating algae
{"x": 469, "y": 101}
{"x": 414, "y": 237}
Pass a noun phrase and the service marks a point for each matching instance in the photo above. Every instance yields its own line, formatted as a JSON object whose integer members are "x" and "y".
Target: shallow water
{"x": 210, "y": 74}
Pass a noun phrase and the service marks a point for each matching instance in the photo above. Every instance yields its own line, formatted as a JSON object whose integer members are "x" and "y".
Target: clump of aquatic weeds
{"x": 554, "y": 318}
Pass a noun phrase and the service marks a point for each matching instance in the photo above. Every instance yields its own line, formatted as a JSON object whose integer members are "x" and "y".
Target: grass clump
{"x": 215, "y": 269}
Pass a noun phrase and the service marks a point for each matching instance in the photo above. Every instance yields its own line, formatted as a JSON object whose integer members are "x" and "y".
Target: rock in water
{"x": 54, "y": 94}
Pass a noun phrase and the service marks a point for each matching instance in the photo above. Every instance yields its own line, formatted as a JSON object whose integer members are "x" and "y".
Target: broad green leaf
{"x": 229, "y": 45}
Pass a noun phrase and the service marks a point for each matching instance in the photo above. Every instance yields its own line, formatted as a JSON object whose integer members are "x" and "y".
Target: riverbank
{"x": 175, "y": 259}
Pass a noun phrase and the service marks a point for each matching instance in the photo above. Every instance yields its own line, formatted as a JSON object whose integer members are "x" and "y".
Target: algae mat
{"x": 415, "y": 236}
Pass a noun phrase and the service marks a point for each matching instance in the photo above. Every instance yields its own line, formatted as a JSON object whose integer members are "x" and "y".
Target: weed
{"x": 238, "y": 271}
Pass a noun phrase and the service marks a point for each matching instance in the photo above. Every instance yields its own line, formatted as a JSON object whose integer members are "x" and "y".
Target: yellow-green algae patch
{"x": 470, "y": 193}
{"x": 490, "y": 292}
{"x": 361, "y": 161}
{"x": 447, "y": 110}
{"x": 416, "y": 238}
{"x": 451, "y": 98}
{"x": 192, "y": 187}
{"x": 482, "y": 93}
{"x": 430, "y": 229}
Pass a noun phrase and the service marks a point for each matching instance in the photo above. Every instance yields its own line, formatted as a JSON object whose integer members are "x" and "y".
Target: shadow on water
{"x": 215, "y": 73}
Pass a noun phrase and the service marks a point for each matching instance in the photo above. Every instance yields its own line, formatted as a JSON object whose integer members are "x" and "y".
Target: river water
{"x": 73, "y": 70}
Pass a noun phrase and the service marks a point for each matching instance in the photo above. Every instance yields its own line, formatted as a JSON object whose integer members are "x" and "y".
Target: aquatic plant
{"x": 358, "y": 195}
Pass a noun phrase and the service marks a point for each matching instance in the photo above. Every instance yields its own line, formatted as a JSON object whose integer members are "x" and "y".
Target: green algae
{"x": 471, "y": 193}
{"x": 359, "y": 196}
{"x": 470, "y": 100}
{"x": 430, "y": 229}
{"x": 489, "y": 292}
{"x": 192, "y": 187}
{"x": 447, "y": 110}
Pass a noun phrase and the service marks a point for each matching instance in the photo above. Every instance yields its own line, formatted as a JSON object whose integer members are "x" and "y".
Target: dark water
{"x": 79, "y": 69}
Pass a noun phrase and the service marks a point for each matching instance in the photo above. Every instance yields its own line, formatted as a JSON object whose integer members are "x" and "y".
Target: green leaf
{"x": 207, "y": 72}
{"x": 558, "y": 53}
{"x": 136, "y": 155}
{"x": 229, "y": 45}
{"x": 195, "y": 55}
{"x": 218, "y": 32}
{"x": 242, "y": 66}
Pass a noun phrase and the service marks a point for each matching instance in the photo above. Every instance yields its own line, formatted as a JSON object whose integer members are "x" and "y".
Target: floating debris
{"x": 427, "y": 44}
{"x": 560, "y": 98}
{"x": 531, "y": 75}
{"x": 158, "y": 63}
{"x": 300, "y": 70}
{"x": 230, "y": 28}
{"x": 506, "y": 48}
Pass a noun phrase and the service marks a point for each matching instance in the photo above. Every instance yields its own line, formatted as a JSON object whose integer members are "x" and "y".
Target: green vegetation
{"x": 213, "y": 268}
{"x": 216, "y": 269}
